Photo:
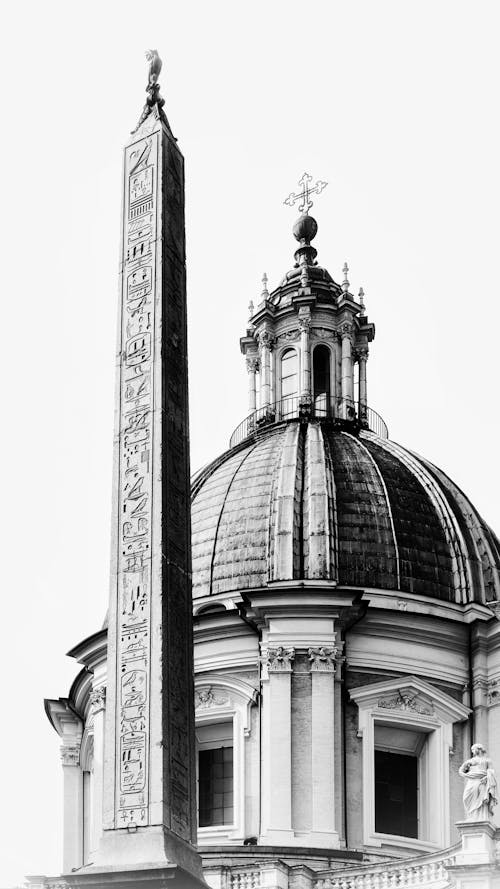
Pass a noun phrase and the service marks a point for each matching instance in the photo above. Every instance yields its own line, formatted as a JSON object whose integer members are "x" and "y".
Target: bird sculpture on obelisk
{"x": 149, "y": 812}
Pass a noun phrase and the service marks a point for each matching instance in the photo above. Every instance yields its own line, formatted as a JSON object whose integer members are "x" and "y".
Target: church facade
{"x": 345, "y": 602}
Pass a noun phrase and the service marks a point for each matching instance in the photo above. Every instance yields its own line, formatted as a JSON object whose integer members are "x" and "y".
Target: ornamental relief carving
{"x": 206, "y": 697}
{"x": 324, "y": 333}
{"x": 288, "y": 336}
{"x": 404, "y": 701}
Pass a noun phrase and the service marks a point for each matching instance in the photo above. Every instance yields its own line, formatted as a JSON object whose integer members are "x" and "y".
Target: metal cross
{"x": 304, "y": 195}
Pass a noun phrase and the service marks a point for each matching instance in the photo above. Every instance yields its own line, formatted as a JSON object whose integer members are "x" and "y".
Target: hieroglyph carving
{"x": 135, "y": 480}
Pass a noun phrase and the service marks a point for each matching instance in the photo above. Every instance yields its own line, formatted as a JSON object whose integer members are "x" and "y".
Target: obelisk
{"x": 149, "y": 813}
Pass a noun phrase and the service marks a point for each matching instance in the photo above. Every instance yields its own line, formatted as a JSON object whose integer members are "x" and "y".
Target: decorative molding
{"x": 205, "y": 698}
{"x": 322, "y": 660}
{"x": 70, "y": 754}
{"x": 404, "y": 701}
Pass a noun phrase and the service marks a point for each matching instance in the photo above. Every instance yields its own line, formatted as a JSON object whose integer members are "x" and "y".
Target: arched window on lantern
{"x": 321, "y": 380}
{"x": 289, "y": 381}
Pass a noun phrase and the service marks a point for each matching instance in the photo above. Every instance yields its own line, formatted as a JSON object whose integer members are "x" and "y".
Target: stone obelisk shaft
{"x": 149, "y": 772}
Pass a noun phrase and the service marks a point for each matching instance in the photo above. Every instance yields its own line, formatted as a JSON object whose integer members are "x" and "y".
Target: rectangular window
{"x": 216, "y": 786}
{"x": 396, "y": 793}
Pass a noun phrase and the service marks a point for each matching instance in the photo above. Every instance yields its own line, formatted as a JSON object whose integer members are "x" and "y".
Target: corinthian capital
{"x": 253, "y": 364}
{"x": 97, "y": 699}
{"x": 265, "y": 339}
{"x": 346, "y": 329}
{"x": 322, "y": 660}
{"x": 70, "y": 754}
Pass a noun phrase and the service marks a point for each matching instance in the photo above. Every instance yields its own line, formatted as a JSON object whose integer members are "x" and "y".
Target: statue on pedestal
{"x": 480, "y": 791}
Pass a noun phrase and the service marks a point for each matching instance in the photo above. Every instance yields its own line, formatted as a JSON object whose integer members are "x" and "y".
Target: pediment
{"x": 409, "y": 696}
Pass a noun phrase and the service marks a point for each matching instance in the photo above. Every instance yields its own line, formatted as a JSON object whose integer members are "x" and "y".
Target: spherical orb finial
{"x": 305, "y": 229}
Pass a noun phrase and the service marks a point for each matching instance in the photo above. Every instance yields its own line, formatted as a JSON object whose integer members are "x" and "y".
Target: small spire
{"x": 250, "y": 309}
{"x": 345, "y": 282}
{"x": 361, "y": 297}
{"x": 265, "y": 291}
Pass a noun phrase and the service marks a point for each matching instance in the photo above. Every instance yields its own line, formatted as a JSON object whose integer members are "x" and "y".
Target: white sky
{"x": 394, "y": 103}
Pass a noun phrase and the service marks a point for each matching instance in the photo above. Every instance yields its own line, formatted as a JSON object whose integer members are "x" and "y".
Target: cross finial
{"x": 305, "y": 194}
{"x": 345, "y": 282}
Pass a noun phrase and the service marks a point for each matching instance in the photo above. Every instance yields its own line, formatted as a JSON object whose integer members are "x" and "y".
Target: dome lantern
{"x": 307, "y": 343}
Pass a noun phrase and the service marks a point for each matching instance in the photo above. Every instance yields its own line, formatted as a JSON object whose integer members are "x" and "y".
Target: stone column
{"x": 98, "y": 705}
{"x": 252, "y": 368}
{"x": 363, "y": 402}
{"x": 265, "y": 345}
{"x": 322, "y": 665}
{"x": 347, "y": 375}
{"x": 305, "y": 356}
{"x": 72, "y": 807}
{"x": 276, "y": 799}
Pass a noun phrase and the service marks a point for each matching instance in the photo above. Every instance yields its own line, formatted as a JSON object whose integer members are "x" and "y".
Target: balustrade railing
{"x": 323, "y": 408}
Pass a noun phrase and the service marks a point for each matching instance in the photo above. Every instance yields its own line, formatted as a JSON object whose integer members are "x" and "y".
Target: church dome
{"x": 305, "y": 500}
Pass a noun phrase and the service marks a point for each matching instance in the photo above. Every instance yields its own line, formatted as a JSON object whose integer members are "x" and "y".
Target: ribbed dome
{"x": 305, "y": 501}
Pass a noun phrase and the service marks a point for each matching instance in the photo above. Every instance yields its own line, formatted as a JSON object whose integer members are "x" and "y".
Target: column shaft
{"x": 73, "y": 814}
{"x": 347, "y": 376}
{"x": 363, "y": 403}
{"x": 305, "y": 359}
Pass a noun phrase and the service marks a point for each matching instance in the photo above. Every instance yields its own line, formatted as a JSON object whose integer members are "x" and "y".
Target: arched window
{"x": 289, "y": 374}
{"x": 321, "y": 378}
{"x": 289, "y": 382}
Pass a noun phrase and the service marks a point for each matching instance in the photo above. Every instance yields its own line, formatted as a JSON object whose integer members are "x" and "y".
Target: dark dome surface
{"x": 305, "y": 501}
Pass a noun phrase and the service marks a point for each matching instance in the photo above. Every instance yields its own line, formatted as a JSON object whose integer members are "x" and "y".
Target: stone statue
{"x": 480, "y": 791}
{"x": 155, "y": 64}
{"x": 153, "y": 88}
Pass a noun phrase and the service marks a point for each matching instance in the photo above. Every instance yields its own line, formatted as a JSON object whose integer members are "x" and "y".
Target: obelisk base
{"x": 147, "y": 876}
{"x": 143, "y": 858}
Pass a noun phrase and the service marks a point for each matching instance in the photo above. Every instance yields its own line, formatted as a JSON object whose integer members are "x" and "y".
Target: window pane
{"x": 396, "y": 794}
{"x": 216, "y": 786}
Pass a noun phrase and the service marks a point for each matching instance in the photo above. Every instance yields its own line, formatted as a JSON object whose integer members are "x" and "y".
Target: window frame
{"x": 434, "y": 714}
{"x": 226, "y": 699}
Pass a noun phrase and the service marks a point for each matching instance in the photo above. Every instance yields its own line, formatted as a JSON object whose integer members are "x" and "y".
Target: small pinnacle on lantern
{"x": 361, "y": 297}
{"x": 345, "y": 282}
{"x": 250, "y": 309}
{"x": 265, "y": 291}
